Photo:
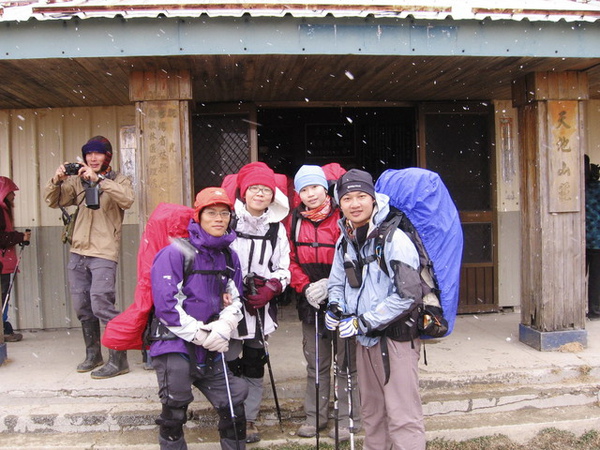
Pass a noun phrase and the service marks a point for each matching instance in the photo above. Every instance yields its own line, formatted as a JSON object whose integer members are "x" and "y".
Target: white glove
{"x": 200, "y": 337}
{"x": 316, "y": 293}
{"x": 349, "y": 327}
{"x": 220, "y": 332}
{"x": 331, "y": 321}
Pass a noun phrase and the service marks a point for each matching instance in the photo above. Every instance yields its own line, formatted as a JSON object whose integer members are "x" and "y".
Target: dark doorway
{"x": 373, "y": 139}
{"x": 457, "y": 143}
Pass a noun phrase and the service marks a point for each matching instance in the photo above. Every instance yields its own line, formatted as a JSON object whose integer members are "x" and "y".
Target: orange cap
{"x": 210, "y": 196}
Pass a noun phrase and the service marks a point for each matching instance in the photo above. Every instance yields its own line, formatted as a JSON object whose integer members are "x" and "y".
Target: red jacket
{"x": 312, "y": 248}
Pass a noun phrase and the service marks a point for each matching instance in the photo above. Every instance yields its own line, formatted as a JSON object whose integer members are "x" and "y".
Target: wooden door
{"x": 456, "y": 142}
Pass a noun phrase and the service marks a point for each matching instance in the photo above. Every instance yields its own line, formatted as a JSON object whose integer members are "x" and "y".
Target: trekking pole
{"x": 350, "y": 406}
{"x": 317, "y": 373}
{"x": 266, "y": 346}
{"x": 12, "y": 279}
{"x": 336, "y": 407}
{"x": 230, "y": 398}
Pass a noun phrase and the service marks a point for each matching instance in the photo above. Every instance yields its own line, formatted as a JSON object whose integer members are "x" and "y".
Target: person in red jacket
{"x": 9, "y": 238}
{"x": 313, "y": 232}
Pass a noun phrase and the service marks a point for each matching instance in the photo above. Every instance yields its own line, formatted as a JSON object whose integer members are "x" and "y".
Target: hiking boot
{"x": 117, "y": 365}
{"x": 307, "y": 431}
{"x": 13, "y": 337}
{"x": 252, "y": 434}
{"x": 343, "y": 434}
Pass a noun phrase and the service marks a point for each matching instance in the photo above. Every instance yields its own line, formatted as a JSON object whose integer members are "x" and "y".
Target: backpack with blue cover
{"x": 421, "y": 206}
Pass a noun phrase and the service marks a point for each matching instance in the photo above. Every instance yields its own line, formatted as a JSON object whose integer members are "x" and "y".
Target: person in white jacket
{"x": 263, "y": 249}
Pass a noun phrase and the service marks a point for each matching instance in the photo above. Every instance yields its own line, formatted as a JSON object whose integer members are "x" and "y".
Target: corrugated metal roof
{"x": 532, "y": 10}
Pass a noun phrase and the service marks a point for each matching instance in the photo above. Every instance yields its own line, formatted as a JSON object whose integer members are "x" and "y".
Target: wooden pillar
{"x": 553, "y": 301}
{"x": 163, "y": 121}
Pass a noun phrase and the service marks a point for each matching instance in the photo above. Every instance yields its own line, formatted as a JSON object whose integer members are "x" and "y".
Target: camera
{"x": 92, "y": 196}
{"x": 72, "y": 168}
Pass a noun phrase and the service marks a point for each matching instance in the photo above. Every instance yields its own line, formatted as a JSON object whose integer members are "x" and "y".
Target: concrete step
{"x": 520, "y": 426}
{"x": 449, "y": 400}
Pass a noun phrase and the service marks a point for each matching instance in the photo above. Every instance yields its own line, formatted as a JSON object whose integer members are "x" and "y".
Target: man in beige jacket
{"x": 102, "y": 196}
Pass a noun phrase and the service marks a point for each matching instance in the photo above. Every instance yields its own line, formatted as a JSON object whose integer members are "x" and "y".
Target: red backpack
{"x": 167, "y": 221}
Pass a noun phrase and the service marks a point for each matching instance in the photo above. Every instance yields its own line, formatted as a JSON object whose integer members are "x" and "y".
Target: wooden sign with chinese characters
{"x": 563, "y": 157}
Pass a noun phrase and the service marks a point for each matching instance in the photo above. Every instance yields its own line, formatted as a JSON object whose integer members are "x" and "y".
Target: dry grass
{"x": 548, "y": 439}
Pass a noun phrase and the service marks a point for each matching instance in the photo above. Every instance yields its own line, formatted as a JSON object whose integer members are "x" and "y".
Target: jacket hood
{"x": 276, "y": 212}
{"x": 380, "y": 212}
{"x": 6, "y": 187}
{"x": 200, "y": 238}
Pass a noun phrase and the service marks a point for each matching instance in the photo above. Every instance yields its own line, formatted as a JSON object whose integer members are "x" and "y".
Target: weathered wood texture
{"x": 538, "y": 86}
{"x": 38, "y": 83}
{"x": 553, "y": 259}
{"x": 163, "y": 119}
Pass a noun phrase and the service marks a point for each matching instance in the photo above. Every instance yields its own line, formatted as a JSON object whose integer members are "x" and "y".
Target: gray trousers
{"x": 256, "y": 386}
{"x": 175, "y": 389}
{"x": 325, "y": 339}
{"x": 92, "y": 286}
{"x": 392, "y": 414}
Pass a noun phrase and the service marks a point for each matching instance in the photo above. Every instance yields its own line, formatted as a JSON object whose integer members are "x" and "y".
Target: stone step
{"x": 110, "y": 410}
{"x": 520, "y": 426}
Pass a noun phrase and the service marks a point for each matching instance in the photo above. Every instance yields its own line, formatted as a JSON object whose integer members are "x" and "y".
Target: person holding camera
{"x": 9, "y": 237}
{"x": 95, "y": 244}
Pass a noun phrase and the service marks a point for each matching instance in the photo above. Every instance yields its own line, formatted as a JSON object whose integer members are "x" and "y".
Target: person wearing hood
{"x": 9, "y": 238}
{"x": 198, "y": 311}
{"x": 263, "y": 249}
{"x": 94, "y": 251}
{"x": 313, "y": 231}
{"x": 367, "y": 303}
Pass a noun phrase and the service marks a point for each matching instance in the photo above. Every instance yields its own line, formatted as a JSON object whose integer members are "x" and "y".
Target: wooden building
{"x": 502, "y": 101}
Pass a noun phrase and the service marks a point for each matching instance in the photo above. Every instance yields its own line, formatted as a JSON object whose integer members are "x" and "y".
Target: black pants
{"x": 5, "y": 282}
{"x": 593, "y": 269}
{"x": 175, "y": 386}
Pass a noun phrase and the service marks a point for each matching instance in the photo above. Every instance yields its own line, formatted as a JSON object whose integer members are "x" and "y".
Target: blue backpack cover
{"x": 422, "y": 196}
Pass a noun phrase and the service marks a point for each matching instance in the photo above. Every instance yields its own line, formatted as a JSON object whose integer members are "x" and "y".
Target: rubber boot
{"x": 93, "y": 352}
{"x": 117, "y": 365}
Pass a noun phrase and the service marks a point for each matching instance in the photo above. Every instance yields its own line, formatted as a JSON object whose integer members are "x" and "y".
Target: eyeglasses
{"x": 213, "y": 214}
{"x": 256, "y": 189}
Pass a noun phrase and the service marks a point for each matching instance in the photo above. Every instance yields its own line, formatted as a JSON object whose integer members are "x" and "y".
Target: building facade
{"x": 502, "y": 102}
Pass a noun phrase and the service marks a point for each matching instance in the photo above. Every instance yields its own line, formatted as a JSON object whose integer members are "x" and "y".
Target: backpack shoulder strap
{"x": 385, "y": 234}
{"x": 294, "y": 234}
{"x": 189, "y": 255}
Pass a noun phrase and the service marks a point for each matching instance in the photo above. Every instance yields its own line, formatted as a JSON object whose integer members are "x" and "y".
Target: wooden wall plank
{"x": 5, "y": 166}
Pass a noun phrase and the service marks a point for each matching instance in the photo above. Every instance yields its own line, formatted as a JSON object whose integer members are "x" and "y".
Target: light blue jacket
{"x": 376, "y": 299}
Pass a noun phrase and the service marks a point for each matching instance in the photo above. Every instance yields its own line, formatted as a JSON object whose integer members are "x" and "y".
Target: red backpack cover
{"x": 167, "y": 221}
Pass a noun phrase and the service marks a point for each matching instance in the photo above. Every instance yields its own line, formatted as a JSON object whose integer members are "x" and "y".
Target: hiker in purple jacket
{"x": 198, "y": 309}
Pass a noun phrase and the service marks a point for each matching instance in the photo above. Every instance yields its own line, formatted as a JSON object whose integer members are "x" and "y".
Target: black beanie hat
{"x": 355, "y": 180}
